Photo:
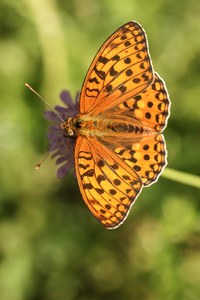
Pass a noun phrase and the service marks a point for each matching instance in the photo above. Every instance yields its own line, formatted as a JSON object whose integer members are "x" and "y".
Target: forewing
{"x": 120, "y": 70}
{"x": 108, "y": 185}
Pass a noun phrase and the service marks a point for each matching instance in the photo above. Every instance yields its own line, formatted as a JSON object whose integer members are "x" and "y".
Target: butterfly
{"x": 124, "y": 107}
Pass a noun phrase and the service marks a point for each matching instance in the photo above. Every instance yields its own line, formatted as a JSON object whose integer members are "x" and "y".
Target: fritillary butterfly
{"x": 124, "y": 106}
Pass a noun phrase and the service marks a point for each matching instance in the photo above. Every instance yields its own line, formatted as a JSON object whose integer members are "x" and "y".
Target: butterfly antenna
{"x": 41, "y": 162}
{"x": 38, "y": 165}
{"x": 46, "y": 156}
{"x": 41, "y": 98}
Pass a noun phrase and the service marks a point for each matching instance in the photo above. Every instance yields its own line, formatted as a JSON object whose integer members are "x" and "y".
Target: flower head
{"x": 62, "y": 147}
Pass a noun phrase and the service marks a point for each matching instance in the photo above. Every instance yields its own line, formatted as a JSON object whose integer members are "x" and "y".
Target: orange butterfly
{"x": 124, "y": 106}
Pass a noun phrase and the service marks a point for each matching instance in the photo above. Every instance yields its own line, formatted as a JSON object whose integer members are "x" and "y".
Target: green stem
{"x": 182, "y": 177}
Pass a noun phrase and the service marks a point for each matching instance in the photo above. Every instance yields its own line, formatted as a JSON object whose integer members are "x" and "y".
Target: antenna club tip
{"x": 29, "y": 87}
{"x": 37, "y": 166}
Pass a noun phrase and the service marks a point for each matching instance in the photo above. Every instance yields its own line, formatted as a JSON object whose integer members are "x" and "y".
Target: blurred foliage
{"x": 50, "y": 246}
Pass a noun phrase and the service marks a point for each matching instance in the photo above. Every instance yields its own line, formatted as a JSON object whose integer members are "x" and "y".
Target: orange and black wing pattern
{"x": 120, "y": 70}
{"x": 108, "y": 185}
{"x": 121, "y": 85}
{"x": 146, "y": 155}
{"x": 150, "y": 108}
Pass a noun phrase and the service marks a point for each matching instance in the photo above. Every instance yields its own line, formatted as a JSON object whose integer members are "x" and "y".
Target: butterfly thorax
{"x": 100, "y": 126}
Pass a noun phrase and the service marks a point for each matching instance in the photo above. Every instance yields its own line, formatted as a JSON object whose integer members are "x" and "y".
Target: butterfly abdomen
{"x": 125, "y": 128}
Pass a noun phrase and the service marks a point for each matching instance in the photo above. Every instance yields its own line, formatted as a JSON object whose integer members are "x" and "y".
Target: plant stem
{"x": 182, "y": 177}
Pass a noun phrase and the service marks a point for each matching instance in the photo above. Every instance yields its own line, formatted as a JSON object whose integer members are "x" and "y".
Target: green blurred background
{"x": 51, "y": 247}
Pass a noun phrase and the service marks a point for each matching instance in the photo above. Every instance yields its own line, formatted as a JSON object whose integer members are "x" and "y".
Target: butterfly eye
{"x": 77, "y": 124}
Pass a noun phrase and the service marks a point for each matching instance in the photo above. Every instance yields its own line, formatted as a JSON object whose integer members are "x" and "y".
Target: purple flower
{"x": 63, "y": 147}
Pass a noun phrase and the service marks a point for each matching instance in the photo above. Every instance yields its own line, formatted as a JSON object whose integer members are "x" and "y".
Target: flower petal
{"x": 62, "y": 147}
{"x": 51, "y": 116}
{"x": 66, "y": 98}
{"x": 63, "y": 171}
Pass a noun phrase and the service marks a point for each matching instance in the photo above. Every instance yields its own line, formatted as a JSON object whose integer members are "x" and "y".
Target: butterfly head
{"x": 67, "y": 126}
{"x": 71, "y": 126}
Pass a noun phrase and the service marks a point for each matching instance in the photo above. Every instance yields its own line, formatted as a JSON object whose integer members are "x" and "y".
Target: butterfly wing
{"x": 150, "y": 107}
{"x": 108, "y": 185}
{"x": 146, "y": 156}
{"x": 147, "y": 153}
{"x": 121, "y": 85}
{"x": 120, "y": 70}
